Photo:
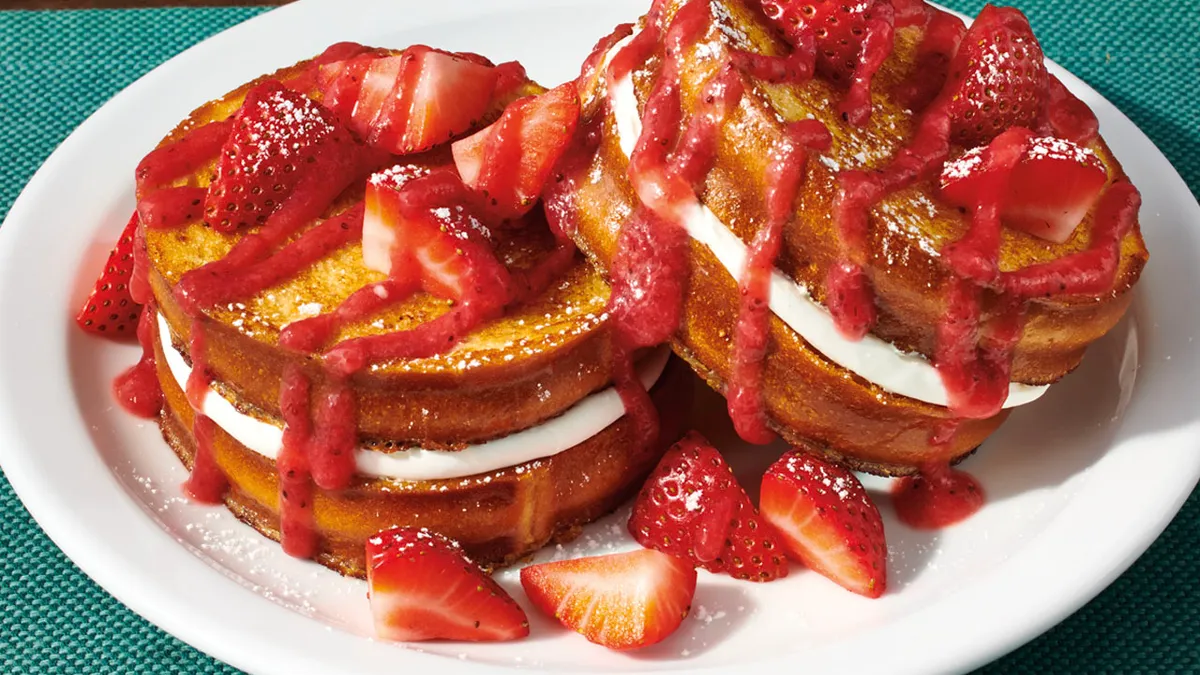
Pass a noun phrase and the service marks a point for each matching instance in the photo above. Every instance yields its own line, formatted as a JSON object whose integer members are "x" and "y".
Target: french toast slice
{"x": 525, "y": 367}
{"x": 325, "y": 477}
{"x": 806, "y": 396}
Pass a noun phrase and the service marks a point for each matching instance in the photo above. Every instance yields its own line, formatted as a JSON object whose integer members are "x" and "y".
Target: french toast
{"x": 324, "y": 399}
{"x": 809, "y": 395}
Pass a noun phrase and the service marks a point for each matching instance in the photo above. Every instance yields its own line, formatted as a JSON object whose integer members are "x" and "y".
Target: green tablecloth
{"x": 57, "y": 67}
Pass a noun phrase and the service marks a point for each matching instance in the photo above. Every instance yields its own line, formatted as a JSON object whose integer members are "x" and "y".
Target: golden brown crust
{"x": 807, "y": 397}
{"x": 498, "y": 517}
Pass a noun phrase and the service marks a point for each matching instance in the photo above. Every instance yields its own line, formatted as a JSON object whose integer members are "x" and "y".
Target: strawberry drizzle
{"x": 937, "y": 497}
{"x": 428, "y": 339}
{"x": 207, "y": 482}
{"x": 335, "y": 436}
{"x": 785, "y": 171}
{"x": 316, "y": 243}
{"x": 878, "y": 39}
{"x": 297, "y": 534}
{"x": 175, "y": 160}
{"x": 137, "y": 389}
{"x": 943, "y": 33}
{"x": 312, "y": 333}
{"x": 170, "y": 208}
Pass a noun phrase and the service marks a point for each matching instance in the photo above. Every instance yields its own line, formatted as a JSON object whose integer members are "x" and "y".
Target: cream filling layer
{"x": 871, "y": 358}
{"x": 585, "y": 419}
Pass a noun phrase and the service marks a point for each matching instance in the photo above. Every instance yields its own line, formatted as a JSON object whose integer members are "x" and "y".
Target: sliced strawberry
{"x": 341, "y": 83}
{"x": 827, "y": 521}
{"x": 422, "y": 587}
{"x": 451, "y": 96}
{"x": 621, "y": 601}
{"x": 279, "y": 138}
{"x": 376, "y": 88}
{"x": 419, "y": 222}
{"x": 997, "y": 79}
{"x": 509, "y": 162}
{"x": 110, "y": 310}
{"x": 693, "y": 508}
{"x": 1049, "y": 193}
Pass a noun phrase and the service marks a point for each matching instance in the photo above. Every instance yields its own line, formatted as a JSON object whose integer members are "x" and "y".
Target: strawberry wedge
{"x": 422, "y": 587}
{"x": 109, "y": 310}
{"x": 827, "y": 521}
{"x": 509, "y": 162}
{"x": 418, "y": 222}
{"x": 621, "y": 601}
{"x": 1049, "y": 192}
{"x": 410, "y": 102}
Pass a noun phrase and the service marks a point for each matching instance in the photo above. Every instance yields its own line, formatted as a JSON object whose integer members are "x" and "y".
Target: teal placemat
{"x": 56, "y": 68}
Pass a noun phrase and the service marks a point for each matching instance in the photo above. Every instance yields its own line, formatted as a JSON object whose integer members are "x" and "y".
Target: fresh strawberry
{"x": 378, "y": 85}
{"x": 1050, "y": 190}
{"x": 419, "y": 222}
{"x": 621, "y": 601}
{"x": 838, "y": 27}
{"x": 827, "y": 521}
{"x": 279, "y": 138}
{"x": 997, "y": 79}
{"x": 692, "y": 507}
{"x": 341, "y": 83}
{"x": 412, "y": 102}
{"x": 509, "y": 162}
{"x": 110, "y": 310}
{"x": 451, "y": 96}
{"x": 851, "y": 39}
{"x": 422, "y": 587}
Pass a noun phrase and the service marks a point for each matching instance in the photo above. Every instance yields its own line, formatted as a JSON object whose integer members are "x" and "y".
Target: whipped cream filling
{"x": 871, "y": 358}
{"x": 585, "y": 419}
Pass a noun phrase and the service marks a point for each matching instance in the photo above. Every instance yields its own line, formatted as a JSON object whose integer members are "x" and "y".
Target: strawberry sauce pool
{"x": 937, "y": 497}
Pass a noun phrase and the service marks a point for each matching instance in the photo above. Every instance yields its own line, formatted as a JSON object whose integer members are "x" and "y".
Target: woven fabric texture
{"x": 58, "y": 67}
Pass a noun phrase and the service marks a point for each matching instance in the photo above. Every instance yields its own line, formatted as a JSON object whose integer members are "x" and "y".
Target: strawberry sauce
{"x": 179, "y": 158}
{"x": 785, "y": 171}
{"x": 172, "y": 207}
{"x": 937, "y": 497}
{"x": 207, "y": 483}
{"x": 296, "y": 532}
{"x": 137, "y": 389}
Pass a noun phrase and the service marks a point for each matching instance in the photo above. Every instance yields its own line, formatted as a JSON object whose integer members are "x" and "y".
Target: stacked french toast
{"x": 412, "y": 315}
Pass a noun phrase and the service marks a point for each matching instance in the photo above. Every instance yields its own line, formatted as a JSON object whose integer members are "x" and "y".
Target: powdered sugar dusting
{"x": 280, "y": 124}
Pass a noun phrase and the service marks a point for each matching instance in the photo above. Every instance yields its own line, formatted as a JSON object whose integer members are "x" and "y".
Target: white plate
{"x": 1080, "y": 482}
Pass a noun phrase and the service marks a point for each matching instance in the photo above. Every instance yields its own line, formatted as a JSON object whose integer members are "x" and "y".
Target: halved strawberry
{"x": 692, "y": 507}
{"x": 1049, "y": 192}
{"x": 509, "y": 162}
{"x": 827, "y": 521}
{"x": 418, "y": 222}
{"x": 280, "y": 137}
{"x": 110, "y": 310}
{"x": 422, "y": 587}
{"x": 997, "y": 79}
{"x": 622, "y": 601}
